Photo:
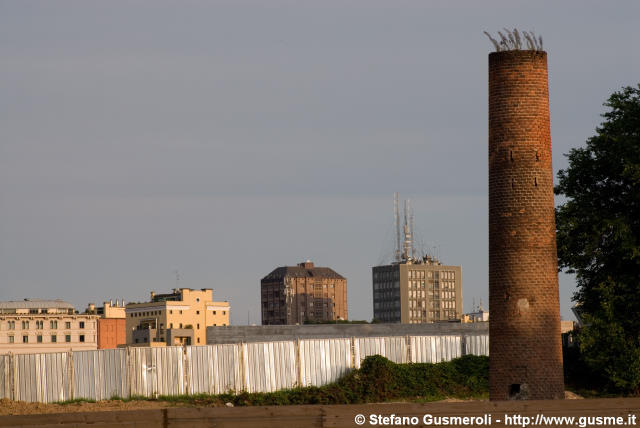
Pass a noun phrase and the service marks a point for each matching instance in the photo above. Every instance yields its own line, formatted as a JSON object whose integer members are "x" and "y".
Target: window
{"x": 53, "y": 325}
{"x": 170, "y": 325}
{"x": 198, "y": 326}
{"x": 180, "y": 325}
{"x": 11, "y": 339}
{"x": 25, "y": 325}
{"x": 224, "y": 312}
{"x": 54, "y": 338}
{"x": 11, "y": 325}
{"x": 81, "y": 324}
{"x": 39, "y": 338}
{"x": 67, "y": 325}
{"x": 198, "y": 340}
{"x": 25, "y": 339}
{"x": 197, "y": 312}
{"x": 214, "y": 312}
{"x": 197, "y": 299}
{"x": 170, "y": 311}
{"x": 82, "y": 338}
{"x": 180, "y": 311}
{"x": 39, "y": 325}
{"x": 67, "y": 338}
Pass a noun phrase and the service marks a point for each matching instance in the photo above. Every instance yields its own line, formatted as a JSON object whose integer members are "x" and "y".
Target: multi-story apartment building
{"x": 417, "y": 291}
{"x": 178, "y": 318}
{"x": 112, "y": 330}
{"x": 35, "y": 326}
{"x": 295, "y": 294}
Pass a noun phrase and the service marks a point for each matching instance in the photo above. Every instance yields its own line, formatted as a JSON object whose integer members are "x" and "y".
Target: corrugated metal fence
{"x": 214, "y": 369}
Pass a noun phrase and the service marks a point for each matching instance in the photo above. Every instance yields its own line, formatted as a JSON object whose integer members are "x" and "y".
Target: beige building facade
{"x": 417, "y": 291}
{"x": 178, "y": 318}
{"x": 36, "y": 326}
{"x": 303, "y": 293}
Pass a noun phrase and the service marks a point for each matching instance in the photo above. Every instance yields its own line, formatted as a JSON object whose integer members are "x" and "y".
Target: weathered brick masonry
{"x": 524, "y": 331}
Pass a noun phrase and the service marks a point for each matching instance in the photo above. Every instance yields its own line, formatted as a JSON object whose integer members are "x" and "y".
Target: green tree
{"x": 599, "y": 240}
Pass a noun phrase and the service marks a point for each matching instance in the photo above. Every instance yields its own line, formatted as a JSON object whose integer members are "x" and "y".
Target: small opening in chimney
{"x": 514, "y": 390}
{"x": 535, "y": 181}
{"x": 511, "y": 155}
{"x": 513, "y": 183}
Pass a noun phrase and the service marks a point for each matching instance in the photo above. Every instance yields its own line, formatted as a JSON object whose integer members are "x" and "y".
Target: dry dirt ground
{"x": 8, "y": 407}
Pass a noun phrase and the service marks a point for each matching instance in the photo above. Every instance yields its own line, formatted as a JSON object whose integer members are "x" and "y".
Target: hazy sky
{"x": 225, "y": 138}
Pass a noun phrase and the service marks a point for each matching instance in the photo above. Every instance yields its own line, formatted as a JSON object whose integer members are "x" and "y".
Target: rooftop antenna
{"x": 177, "y": 272}
{"x": 413, "y": 250}
{"x": 407, "y": 231}
{"x": 396, "y": 219}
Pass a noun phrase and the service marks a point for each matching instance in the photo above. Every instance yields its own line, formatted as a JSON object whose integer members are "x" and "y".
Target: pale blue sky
{"x": 226, "y": 138}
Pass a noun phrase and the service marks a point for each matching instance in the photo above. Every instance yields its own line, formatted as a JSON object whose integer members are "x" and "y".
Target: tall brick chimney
{"x": 524, "y": 328}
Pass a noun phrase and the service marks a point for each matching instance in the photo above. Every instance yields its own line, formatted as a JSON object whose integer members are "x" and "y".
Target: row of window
{"x": 39, "y": 325}
{"x": 53, "y": 338}
{"x": 153, "y": 313}
{"x": 420, "y": 274}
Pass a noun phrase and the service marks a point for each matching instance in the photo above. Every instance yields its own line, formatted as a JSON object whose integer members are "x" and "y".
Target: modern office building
{"x": 36, "y": 326}
{"x": 303, "y": 293}
{"x": 178, "y": 318}
{"x": 417, "y": 291}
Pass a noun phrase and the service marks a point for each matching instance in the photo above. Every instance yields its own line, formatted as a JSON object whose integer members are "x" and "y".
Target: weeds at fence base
{"x": 377, "y": 380}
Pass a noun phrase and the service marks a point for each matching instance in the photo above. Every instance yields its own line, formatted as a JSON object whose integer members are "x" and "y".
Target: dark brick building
{"x": 525, "y": 343}
{"x": 295, "y": 294}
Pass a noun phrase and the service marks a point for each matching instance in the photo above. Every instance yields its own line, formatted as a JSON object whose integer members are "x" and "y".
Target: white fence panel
{"x": 434, "y": 349}
{"x": 214, "y": 369}
{"x": 100, "y": 375}
{"x": 169, "y": 371}
{"x": 393, "y": 348}
{"x": 269, "y": 366}
{"x": 477, "y": 344}
{"x": 156, "y": 371}
{"x": 5, "y": 376}
{"x": 42, "y": 378}
{"x": 324, "y": 360}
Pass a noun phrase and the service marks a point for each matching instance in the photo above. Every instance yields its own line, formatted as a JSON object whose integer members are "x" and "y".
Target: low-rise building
{"x": 178, "y": 318}
{"x": 479, "y": 315}
{"x": 112, "y": 331}
{"x": 36, "y": 326}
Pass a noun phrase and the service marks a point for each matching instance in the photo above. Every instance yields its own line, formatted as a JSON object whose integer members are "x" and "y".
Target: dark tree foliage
{"x": 598, "y": 234}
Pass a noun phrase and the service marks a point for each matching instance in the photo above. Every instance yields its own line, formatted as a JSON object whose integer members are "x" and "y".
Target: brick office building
{"x": 525, "y": 345}
{"x": 295, "y": 294}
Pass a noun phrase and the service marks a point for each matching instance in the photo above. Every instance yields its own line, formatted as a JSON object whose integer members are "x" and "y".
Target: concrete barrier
{"x": 337, "y": 416}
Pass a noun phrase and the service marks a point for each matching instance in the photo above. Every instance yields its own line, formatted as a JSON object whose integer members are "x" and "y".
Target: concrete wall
{"x": 335, "y": 416}
{"x": 262, "y": 333}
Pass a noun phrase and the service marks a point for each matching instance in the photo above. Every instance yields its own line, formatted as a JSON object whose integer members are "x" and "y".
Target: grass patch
{"x": 75, "y": 401}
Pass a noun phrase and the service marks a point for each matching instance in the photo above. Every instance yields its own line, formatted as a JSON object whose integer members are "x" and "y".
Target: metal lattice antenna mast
{"x": 407, "y": 232}
{"x": 397, "y": 225}
{"x": 413, "y": 250}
